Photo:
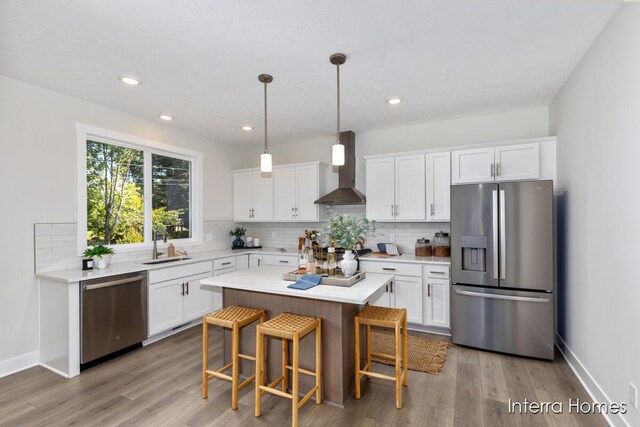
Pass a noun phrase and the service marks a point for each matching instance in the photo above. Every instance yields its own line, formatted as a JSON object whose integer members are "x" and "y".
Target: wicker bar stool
{"x": 234, "y": 318}
{"x": 395, "y": 318}
{"x": 293, "y": 327}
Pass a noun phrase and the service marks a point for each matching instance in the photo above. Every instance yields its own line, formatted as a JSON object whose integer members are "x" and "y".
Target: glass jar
{"x": 331, "y": 261}
{"x": 423, "y": 247}
{"x": 441, "y": 245}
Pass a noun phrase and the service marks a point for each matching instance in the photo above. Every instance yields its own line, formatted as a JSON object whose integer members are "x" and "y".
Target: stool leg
{"x": 205, "y": 358}
{"x": 285, "y": 360}
{"x": 405, "y": 345}
{"x": 398, "y": 366}
{"x": 319, "y": 363}
{"x": 294, "y": 380}
{"x": 235, "y": 349}
{"x": 357, "y": 352}
{"x": 259, "y": 374}
{"x": 368, "y": 349}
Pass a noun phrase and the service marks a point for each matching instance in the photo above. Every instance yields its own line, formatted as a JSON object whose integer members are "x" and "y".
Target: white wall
{"x": 596, "y": 116}
{"x": 38, "y": 182}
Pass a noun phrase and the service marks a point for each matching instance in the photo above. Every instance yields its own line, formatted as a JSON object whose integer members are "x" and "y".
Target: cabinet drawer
{"x": 179, "y": 271}
{"x": 283, "y": 260}
{"x": 436, "y": 271}
{"x": 397, "y": 268}
{"x": 224, "y": 263}
{"x": 224, "y": 271}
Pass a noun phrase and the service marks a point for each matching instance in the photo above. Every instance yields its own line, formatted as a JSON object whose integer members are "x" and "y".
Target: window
{"x": 129, "y": 187}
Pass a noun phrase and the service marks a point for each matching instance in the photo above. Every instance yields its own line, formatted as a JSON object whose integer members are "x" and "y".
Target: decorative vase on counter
{"x": 101, "y": 262}
{"x": 238, "y": 242}
{"x": 348, "y": 265}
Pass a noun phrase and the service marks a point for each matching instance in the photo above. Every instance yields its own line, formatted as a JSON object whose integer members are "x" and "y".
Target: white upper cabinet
{"x": 410, "y": 188}
{"x": 296, "y": 188}
{"x": 500, "y": 163}
{"x": 473, "y": 165}
{"x": 252, "y": 196}
{"x": 514, "y": 162}
{"x": 396, "y": 188}
{"x": 438, "y": 186}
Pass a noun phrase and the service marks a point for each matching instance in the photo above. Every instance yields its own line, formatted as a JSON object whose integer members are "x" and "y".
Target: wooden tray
{"x": 337, "y": 280}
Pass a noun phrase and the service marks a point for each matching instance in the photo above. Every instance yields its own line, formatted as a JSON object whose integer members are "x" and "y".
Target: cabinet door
{"x": 410, "y": 188}
{"x": 262, "y": 186}
{"x": 284, "y": 192}
{"x": 438, "y": 186}
{"x": 380, "y": 189}
{"x": 165, "y": 305}
{"x": 307, "y": 192}
{"x": 242, "y": 196}
{"x": 255, "y": 260}
{"x": 217, "y": 291}
{"x": 514, "y": 162}
{"x": 474, "y": 165}
{"x": 198, "y": 298}
{"x": 383, "y": 299}
{"x": 408, "y": 294}
{"x": 242, "y": 262}
{"x": 436, "y": 298}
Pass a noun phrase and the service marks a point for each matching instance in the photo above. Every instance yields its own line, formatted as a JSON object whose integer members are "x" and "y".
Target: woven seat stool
{"x": 234, "y": 318}
{"x": 395, "y": 318}
{"x": 287, "y": 326}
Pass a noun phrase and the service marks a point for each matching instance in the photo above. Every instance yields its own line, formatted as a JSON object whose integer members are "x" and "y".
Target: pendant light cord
{"x": 266, "y": 144}
{"x": 338, "y": 101}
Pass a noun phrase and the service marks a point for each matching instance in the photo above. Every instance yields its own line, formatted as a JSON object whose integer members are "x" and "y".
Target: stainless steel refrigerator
{"x": 502, "y": 267}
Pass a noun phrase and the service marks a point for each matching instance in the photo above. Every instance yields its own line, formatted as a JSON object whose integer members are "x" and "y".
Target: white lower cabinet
{"x": 255, "y": 260}
{"x": 436, "y": 302}
{"x": 281, "y": 260}
{"x": 242, "y": 262}
{"x": 407, "y": 292}
{"x": 384, "y": 299}
{"x": 177, "y": 297}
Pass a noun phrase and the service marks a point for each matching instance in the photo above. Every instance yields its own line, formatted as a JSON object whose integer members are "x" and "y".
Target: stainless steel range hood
{"x": 346, "y": 193}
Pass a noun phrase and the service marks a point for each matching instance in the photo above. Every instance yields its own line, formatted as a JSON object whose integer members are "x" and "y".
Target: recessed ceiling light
{"x": 247, "y": 128}
{"x": 166, "y": 117}
{"x": 394, "y": 101}
{"x": 130, "y": 80}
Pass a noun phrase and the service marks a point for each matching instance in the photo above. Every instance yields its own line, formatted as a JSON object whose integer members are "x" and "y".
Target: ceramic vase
{"x": 348, "y": 265}
{"x": 101, "y": 262}
{"x": 238, "y": 242}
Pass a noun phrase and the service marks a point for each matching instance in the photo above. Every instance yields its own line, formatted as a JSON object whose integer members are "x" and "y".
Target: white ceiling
{"x": 199, "y": 59}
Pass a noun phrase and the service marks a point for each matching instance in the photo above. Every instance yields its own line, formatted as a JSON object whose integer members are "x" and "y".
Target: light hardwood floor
{"x": 161, "y": 384}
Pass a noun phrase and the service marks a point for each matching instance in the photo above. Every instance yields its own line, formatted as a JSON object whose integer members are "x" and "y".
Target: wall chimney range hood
{"x": 346, "y": 193}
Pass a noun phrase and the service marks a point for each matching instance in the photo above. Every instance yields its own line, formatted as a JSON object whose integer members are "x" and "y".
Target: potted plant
{"x": 100, "y": 254}
{"x": 345, "y": 231}
{"x": 238, "y": 232}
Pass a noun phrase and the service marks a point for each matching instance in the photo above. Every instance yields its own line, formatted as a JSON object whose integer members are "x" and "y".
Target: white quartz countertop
{"x": 409, "y": 258}
{"x": 115, "y": 268}
{"x": 268, "y": 279}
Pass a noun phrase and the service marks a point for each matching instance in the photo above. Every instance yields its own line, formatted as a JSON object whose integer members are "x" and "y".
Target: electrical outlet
{"x": 209, "y": 237}
{"x": 633, "y": 395}
{"x": 392, "y": 238}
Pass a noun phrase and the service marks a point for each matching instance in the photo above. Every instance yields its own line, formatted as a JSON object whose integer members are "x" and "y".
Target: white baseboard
{"x": 588, "y": 382}
{"x": 54, "y": 370}
{"x": 18, "y": 363}
{"x": 165, "y": 334}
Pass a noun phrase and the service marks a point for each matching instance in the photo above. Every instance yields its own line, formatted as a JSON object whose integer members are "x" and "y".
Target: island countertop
{"x": 268, "y": 279}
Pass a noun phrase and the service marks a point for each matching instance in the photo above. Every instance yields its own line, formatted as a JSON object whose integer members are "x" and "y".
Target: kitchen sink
{"x": 164, "y": 261}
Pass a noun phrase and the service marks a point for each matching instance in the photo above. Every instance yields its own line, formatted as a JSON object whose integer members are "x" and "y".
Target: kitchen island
{"x": 264, "y": 288}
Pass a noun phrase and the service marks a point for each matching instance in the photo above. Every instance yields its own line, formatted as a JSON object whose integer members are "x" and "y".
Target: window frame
{"x": 148, "y": 147}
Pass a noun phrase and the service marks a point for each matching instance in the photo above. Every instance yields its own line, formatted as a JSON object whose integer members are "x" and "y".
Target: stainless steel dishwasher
{"x": 113, "y": 314}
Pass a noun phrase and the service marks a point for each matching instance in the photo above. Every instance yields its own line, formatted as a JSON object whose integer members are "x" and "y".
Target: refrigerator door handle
{"x": 503, "y": 236}
{"x": 503, "y": 297}
{"x": 495, "y": 233}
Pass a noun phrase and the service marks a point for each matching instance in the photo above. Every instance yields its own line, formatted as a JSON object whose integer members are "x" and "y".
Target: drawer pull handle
{"x": 388, "y": 269}
{"x": 437, "y": 272}
{"x": 229, "y": 262}
{"x": 284, "y": 261}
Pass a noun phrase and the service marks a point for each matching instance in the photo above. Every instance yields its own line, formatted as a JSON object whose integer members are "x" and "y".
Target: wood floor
{"x": 161, "y": 383}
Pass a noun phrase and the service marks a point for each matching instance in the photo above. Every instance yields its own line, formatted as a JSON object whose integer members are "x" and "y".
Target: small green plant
{"x": 238, "y": 232}
{"x": 97, "y": 250}
{"x": 344, "y": 231}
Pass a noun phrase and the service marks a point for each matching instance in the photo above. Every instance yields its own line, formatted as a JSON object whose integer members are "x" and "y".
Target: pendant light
{"x": 265, "y": 158}
{"x": 337, "y": 151}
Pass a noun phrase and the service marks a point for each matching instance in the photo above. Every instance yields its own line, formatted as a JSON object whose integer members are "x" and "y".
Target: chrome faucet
{"x": 154, "y": 236}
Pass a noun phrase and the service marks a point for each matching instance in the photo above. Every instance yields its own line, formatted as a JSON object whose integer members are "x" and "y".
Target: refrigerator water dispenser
{"x": 474, "y": 252}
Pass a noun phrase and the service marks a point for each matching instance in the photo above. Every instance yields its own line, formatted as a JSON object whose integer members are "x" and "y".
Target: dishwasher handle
{"x": 112, "y": 283}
